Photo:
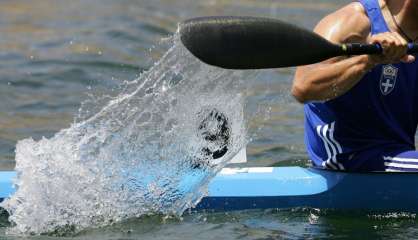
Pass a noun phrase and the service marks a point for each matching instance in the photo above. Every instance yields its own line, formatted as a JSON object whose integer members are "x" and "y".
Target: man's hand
{"x": 334, "y": 77}
{"x": 394, "y": 47}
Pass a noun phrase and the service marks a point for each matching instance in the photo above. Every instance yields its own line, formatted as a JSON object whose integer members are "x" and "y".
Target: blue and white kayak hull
{"x": 289, "y": 187}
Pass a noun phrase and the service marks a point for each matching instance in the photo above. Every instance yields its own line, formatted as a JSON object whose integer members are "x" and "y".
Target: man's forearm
{"x": 325, "y": 81}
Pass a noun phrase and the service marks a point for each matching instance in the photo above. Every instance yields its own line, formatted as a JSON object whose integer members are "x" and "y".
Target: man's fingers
{"x": 402, "y": 40}
{"x": 397, "y": 50}
{"x": 402, "y": 45}
{"x": 408, "y": 59}
{"x": 394, "y": 48}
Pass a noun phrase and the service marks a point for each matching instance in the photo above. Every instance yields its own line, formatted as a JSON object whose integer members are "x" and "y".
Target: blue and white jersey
{"x": 378, "y": 115}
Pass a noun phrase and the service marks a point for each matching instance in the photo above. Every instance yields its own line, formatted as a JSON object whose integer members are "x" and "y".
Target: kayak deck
{"x": 289, "y": 187}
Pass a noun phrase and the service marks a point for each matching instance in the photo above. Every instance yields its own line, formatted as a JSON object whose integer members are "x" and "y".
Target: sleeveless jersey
{"x": 379, "y": 113}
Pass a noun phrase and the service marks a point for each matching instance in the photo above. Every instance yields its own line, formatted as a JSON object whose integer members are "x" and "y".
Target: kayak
{"x": 6, "y": 185}
{"x": 290, "y": 187}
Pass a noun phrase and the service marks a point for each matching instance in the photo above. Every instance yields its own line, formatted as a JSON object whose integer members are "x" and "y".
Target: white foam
{"x": 134, "y": 155}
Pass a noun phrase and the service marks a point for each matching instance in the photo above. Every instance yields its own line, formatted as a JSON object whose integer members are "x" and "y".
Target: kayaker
{"x": 361, "y": 112}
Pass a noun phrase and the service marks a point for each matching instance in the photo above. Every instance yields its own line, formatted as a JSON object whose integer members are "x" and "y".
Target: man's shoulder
{"x": 349, "y": 23}
{"x": 354, "y": 12}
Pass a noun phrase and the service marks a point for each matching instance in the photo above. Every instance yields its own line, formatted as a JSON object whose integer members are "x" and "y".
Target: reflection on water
{"x": 258, "y": 224}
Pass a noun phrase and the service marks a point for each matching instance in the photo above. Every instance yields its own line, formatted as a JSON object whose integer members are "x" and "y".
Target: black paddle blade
{"x": 253, "y": 43}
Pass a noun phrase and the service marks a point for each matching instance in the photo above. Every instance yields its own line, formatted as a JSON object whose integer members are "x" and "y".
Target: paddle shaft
{"x": 360, "y": 48}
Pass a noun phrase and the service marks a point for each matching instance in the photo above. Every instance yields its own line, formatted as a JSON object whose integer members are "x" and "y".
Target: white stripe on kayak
{"x": 260, "y": 170}
{"x": 401, "y": 165}
{"x": 400, "y": 159}
{"x": 231, "y": 171}
{"x": 328, "y": 162}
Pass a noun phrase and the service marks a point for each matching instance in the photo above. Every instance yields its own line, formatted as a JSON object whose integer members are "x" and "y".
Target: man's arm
{"x": 334, "y": 77}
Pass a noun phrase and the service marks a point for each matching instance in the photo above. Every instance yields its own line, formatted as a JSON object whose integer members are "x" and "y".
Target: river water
{"x": 56, "y": 54}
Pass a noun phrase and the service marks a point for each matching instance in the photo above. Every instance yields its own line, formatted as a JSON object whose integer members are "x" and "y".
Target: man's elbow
{"x": 300, "y": 93}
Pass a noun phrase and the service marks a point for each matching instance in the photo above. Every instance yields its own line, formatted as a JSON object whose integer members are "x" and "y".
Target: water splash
{"x": 134, "y": 156}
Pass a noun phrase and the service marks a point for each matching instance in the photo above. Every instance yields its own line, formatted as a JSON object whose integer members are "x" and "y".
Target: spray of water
{"x": 139, "y": 154}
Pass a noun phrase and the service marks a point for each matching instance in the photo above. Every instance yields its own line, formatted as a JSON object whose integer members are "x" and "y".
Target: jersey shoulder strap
{"x": 377, "y": 21}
